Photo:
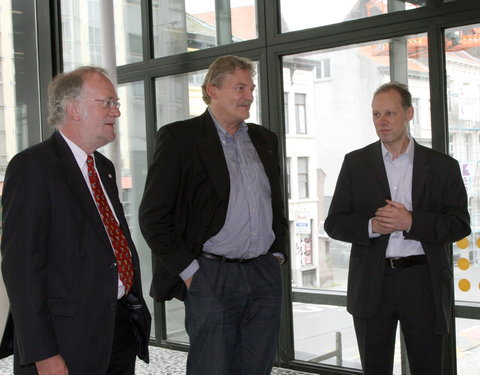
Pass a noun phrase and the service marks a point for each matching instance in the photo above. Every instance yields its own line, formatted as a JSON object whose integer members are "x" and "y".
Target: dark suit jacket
{"x": 186, "y": 196}
{"x": 439, "y": 213}
{"x": 58, "y": 263}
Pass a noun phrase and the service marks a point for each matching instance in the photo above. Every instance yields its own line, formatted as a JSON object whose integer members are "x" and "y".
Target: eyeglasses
{"x": 107, "y": 103}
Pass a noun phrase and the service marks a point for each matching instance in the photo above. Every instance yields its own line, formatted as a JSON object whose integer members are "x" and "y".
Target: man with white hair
{"x": 70, "y": 267}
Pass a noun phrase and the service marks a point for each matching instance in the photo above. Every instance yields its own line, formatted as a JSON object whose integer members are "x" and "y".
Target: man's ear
{"x": 73, "y": 111}
{"x": 211, "y": 90}
{"x": 410, "y": 113}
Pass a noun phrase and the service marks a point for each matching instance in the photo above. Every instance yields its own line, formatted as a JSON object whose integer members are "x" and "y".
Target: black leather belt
{"x": 224, "y": 259}
{"x": 406, "y": 261}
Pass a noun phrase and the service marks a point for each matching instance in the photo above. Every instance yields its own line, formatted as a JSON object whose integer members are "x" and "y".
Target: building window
{"x": 322, "y": 70}
{"x": 302, "y": 168}
{"x": 301, "y": 113}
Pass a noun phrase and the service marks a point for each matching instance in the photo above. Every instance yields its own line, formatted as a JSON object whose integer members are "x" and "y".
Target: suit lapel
{"x": 376, "y": 163}
{"x": 420, "y": 172}
{"x": 74, "y": 179}
{"x": 211, "y": 152}
{"x": 264, "y": 151}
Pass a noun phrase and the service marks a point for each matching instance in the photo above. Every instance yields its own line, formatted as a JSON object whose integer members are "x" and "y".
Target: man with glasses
{"x": 212, "y": 213}
{"x": 70, "y": 267}
{"x": 401, "y": 205}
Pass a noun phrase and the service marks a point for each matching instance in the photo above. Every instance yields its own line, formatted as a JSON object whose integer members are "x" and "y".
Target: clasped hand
{"x": 392, "y": 217}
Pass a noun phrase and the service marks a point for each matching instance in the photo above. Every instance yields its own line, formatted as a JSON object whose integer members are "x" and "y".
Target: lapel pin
{"x": 109, "y": 175}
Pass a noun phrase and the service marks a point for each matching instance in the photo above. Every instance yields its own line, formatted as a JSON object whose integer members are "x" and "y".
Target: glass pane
{"x": 325, "y": 334}
{"x": 129, "y": 154}
{"x": 305, "y": 14}
{"x": 20, "y": 121}
{"x": 128, "y": 31}
{"x": 84, "y": 32}
{"x": 81, "y": 33}
{"x": 468, "y": 352}
{"x": 334, "y": 88}
{"x": 462, "y": 47}
{"x": 175, "y": 318}
{"x": 190, "y": 25}
{"x": 463, "y": 89}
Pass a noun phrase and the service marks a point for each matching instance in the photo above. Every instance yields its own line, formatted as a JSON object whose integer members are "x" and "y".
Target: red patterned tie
{"x": 117, "y": 238}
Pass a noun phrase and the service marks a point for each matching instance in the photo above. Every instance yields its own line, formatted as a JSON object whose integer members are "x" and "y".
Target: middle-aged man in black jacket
{"x": 401, "y": 205}
{"x": 212, "y": 213}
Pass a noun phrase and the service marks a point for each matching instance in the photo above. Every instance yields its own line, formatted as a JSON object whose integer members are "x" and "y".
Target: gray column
{"x": 109, "y": 60}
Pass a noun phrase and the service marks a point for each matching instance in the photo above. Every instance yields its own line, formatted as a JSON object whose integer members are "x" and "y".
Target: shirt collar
{"x": 221, "y": 130}
{"x": 409, "y": 152}
{"x": 78, "y": 153}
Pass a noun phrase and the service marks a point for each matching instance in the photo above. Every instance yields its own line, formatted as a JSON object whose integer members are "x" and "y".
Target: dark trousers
{"x": 232, "y": 316}
{"x": 124, "y": 349}
{"x": 407, "y": 298}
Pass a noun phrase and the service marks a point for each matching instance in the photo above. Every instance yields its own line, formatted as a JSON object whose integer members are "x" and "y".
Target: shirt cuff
{"x": 370, "y": 231}
{"x": 190, "y": 270}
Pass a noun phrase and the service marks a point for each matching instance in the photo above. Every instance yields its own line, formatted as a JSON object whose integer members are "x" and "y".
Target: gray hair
{"x": 65, "y": 88}
{"x": 222, "y": 66}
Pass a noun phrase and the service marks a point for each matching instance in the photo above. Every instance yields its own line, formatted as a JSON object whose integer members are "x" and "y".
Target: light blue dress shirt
{"x": 399, "y": 174}
{"x": 247, "y": 232}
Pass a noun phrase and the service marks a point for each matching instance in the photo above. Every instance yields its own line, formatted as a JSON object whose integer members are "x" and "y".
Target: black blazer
{"x": 186, "y": 196}
{"x": 440, "y": 217}
{"x": 58, "y": 264}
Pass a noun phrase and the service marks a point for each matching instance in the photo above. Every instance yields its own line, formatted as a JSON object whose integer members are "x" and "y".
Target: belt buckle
{"x": 390, "y": 260}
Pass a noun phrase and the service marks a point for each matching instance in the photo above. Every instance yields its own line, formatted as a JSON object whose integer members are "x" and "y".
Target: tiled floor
{"x": 162, "y": 362}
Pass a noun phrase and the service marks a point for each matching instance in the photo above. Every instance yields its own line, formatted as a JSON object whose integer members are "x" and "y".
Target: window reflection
{"x": 83, "y": 35}
{"x": 128, "y": 31}
{"x": 305, "y": 14}
{"x": 190, "y": 25}
{"x": 20, "y": 119}
{"x": 463, "y": 89}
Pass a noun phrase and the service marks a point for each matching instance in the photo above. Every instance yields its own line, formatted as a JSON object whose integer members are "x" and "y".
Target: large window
{"x": 21, "y": 89}
{"x": 341, "y": 122}
{"x": 318, "y": 66}
{"x": 462, "y": 46}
